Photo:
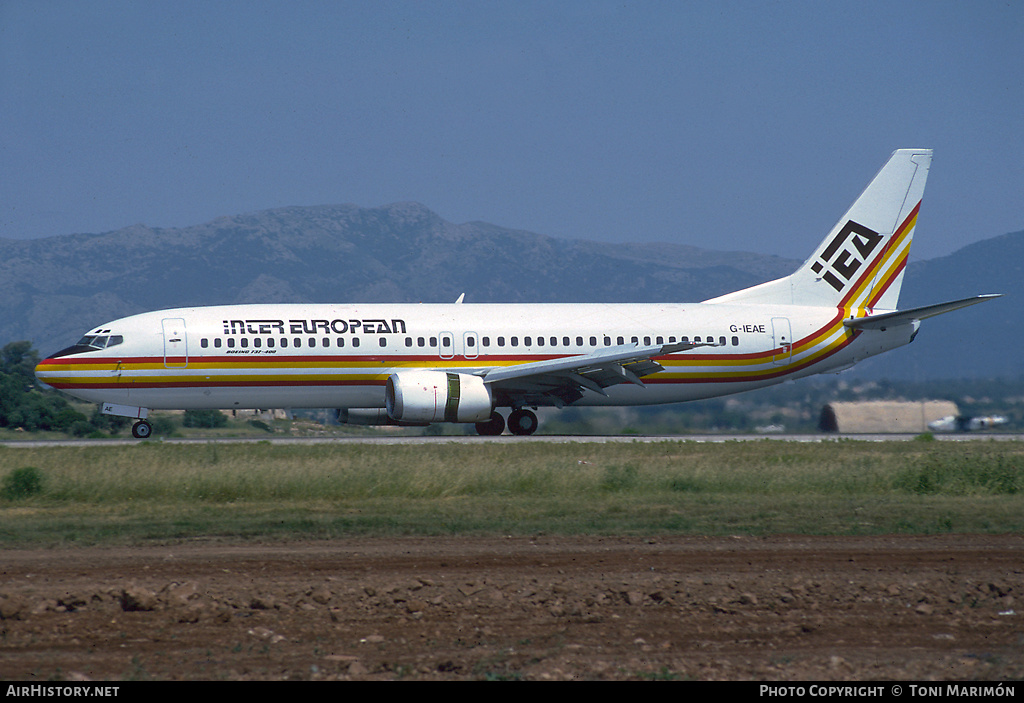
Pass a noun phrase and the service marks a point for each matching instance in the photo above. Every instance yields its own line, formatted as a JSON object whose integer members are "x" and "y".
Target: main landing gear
{"x": 142, "y": 430}
{"x": 492, "y": 427}
{"x": 520, "y": 422}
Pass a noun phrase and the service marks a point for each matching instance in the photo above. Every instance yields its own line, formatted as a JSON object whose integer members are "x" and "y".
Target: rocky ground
{"x": 780, "y": 608}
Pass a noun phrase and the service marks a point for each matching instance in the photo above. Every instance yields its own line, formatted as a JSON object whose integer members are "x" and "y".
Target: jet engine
{"x": 437, "y": 396}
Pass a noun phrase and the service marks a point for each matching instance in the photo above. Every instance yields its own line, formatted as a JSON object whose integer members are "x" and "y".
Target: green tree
{"x": 204, "y": 418}
{"x": 19, "y": 359}
{"x": 23, "y": 403}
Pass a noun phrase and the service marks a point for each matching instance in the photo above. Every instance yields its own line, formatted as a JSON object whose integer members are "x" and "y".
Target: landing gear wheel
{"x": 493, "y": 427}
{"x": 522, "y": 422}
{"x": 142, "y": 430}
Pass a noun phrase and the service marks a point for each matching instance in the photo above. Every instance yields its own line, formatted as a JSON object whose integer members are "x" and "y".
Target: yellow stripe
{"x": 897, "y": 253}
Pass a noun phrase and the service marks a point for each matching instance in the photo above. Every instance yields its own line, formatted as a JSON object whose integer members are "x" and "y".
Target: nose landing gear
{"x": 142, "y": 430}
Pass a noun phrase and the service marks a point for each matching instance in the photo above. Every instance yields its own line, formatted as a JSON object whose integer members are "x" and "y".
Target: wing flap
{"x": 594, "y": 372}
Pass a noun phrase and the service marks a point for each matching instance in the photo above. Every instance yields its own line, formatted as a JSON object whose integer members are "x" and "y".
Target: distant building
{"x": 884, "y": 416}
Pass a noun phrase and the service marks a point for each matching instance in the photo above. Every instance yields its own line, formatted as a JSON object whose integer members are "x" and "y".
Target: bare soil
{"x": 779, "y": 608}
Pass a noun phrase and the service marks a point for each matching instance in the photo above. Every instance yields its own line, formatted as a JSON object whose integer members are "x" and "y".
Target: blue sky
{"x": 724, "y": 125}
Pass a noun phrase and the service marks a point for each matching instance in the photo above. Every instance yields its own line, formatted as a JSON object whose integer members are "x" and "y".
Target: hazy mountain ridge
{"x": 982, "y": 341}
{"x": 52, "y": 290}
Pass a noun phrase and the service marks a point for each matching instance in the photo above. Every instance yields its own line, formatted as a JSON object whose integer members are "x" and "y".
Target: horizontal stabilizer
{"x": 904, "y": 317}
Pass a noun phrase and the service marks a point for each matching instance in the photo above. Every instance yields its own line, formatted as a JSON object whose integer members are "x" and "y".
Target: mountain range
{"x": 52, "y": 290}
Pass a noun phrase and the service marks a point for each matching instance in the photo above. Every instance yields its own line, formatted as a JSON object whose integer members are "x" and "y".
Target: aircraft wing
{"x": 903, "y": 317}
{"x": 561, "y": 381}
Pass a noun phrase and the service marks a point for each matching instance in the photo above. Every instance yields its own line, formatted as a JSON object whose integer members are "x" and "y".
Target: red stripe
{"x": 871, "y": 270}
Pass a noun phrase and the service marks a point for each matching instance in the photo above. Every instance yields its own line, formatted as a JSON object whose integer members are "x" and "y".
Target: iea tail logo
{"x": 840, "y": 262}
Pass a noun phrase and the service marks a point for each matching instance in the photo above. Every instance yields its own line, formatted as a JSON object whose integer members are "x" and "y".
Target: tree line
{"x": 27, "y": 405}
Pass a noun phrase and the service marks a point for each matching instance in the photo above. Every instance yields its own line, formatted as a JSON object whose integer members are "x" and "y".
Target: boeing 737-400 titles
{"x": 426, "y": 363}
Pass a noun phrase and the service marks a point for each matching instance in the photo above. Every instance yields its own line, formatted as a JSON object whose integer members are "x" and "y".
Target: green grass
{"x": 153, "y": 491}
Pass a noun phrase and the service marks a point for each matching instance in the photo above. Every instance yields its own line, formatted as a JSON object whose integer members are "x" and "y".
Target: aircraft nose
{"x": 42, "y": 369}
{"x": 45, "y": 369}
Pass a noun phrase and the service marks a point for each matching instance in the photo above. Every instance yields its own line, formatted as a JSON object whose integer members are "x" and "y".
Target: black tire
{"x": 493, "y": 427}
{"x": 522, "y": 422}
{"x": 142, "y": 430}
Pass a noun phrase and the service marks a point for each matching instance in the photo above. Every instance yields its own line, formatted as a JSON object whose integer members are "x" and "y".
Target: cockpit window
{"x": 97, "y": 341}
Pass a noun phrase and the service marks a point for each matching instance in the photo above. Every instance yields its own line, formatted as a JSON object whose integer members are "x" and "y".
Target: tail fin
{"x": 860, "y": 263}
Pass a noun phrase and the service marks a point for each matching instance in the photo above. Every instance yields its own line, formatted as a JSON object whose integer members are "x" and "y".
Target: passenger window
{"x": 433, "y": 341}
{"x": 735, "y": 341}
{"x": 408, "y": 341}
{"x": 485, "y": 341}
{"x": 565, "y": 341}
{"x": 341, "y": 342}
{"x": 231, "y": 342}
{"x": 296, "y": 342}
{"x": 607, "y": 341}
{"x": 634, "y": 340}
{"x": 621, "y": 340}
{"x": 540, "y": 341}
{"x": 284, "y": 342}
{"x": 217, "y": 342}
{"x": 721, "y": 341}
{"x": 244, "y": 342}
{"x": 659, "y": 340}
{"x": 204, "y": 342}
{"x": 257, "y": 342}
{"x": 383, "y": 342}
{"x": 312, "y": 342}
{"x": 355, "y": 341}
{"x": 470, "y": 342}
{"x": 325, "y": 342}
{"x": 527, "y": 341}
{"x": 554, "y": 341}
{"x": 270, "y": 342}
{"x": 514, "y": 341}
{"x": 647, "y": 340}
{"x": 579, "y": 341}
{"x": 420, "y": 341}
{"x": 501, "y": 341}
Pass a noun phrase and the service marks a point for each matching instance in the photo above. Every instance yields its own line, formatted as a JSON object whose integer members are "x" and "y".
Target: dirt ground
{"x": 780, "y": 608}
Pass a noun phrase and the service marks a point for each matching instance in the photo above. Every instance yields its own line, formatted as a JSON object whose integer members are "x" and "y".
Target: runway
{"x": 509, "y": 439}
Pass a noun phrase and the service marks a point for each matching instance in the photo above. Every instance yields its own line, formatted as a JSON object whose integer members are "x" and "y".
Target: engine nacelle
{"x": 437, "y": 396}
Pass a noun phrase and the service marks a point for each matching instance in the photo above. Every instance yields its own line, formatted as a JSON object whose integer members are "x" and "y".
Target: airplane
{"x": 418, "y": 364}
{"x": 962, "y": 423}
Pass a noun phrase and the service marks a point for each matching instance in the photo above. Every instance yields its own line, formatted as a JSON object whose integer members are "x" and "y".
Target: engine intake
{"x": 437, "y": 396}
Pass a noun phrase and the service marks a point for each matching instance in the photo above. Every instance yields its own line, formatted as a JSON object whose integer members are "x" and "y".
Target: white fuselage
{"x": 340, "y": 356}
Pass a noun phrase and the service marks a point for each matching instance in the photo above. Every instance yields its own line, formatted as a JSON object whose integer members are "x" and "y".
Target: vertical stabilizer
{"x": 860, "y": 263}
